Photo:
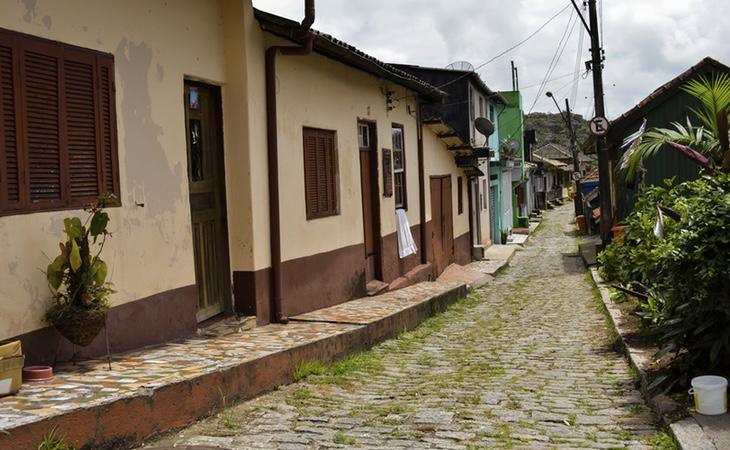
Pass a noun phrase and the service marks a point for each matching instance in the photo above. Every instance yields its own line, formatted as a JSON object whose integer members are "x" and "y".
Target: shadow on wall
{"x": 147, "y": 167}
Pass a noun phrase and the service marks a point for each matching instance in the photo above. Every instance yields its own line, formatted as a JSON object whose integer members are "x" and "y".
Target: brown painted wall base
{"x": 158, "y": 318}
{"x": 127, "y": 422}
{"x": 320, "y": 280}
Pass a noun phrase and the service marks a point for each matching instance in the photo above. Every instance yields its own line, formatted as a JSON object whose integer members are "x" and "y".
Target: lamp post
{"x": 573, "y": 149}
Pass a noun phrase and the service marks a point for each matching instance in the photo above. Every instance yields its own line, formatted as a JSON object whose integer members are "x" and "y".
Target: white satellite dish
{"x": 461, "y": 65}
{"x": 510, "y": 147}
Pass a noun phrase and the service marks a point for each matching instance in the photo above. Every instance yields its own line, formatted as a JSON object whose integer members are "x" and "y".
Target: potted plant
{"x": 77, "y": 277}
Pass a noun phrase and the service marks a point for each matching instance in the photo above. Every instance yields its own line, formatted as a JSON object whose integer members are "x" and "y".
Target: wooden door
{"x": 442, "y": 223}
{"x": 206, "y": 181}
{"x": 370, "y": 196}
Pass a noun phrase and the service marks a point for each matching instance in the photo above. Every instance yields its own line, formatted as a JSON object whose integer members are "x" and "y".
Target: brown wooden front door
{"x": 370, "y": 197}
{"x": 442, "y": 223}
{"x": 206, "y": 181}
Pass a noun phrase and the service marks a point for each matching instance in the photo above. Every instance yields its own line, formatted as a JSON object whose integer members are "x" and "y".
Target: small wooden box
{"x": 11, "y": 367}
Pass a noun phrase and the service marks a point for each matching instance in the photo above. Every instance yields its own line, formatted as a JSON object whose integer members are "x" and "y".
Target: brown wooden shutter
{"x": 81, "y": 126}
{"x": 310, "y": 171}
{"x": 108, "y": 121}
{"x": 329, "y": 139}
{"x": 320, "y": 172}
{"x": 58, "y": 140}
{"x": 40, "y": 76}
{"x": 9, "y": 153}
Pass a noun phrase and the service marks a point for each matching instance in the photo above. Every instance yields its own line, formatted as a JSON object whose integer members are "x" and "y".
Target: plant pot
{"x": 36, "y": 374}
{"x": 80, "y": 325}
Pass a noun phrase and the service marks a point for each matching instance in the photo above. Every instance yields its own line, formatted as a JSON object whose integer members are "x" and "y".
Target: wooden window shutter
{"x": 41, "y": 80}
{"x": 320, "y": 173}
{"x": 58, "y": 141}
{"x": 10, "y": 189}
{"x": 310, "y": 172}
{"x": 108, "y": 128}
{"x": 81, "y": 126}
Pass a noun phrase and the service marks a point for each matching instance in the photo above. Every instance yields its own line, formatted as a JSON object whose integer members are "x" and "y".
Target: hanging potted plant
{"x": 77, "y": 277}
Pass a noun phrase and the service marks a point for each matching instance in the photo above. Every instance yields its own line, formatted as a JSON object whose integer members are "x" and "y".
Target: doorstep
{"x": 168, "y": 386}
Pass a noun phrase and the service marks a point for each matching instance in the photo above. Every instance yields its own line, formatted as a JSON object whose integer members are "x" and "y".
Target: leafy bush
{"x": 77, "y": 276}
{"x": 686, "y": 270}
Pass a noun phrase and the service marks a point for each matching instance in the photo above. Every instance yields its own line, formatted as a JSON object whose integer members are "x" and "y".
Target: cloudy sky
{"x": 647, "y": 42}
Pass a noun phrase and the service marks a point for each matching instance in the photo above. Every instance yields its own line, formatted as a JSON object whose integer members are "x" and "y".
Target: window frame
{"x": 459, "y": 195}
{"x": 402, "y": 171}
{"x": 333, "y": 182}
{"x": 105, "y": 142}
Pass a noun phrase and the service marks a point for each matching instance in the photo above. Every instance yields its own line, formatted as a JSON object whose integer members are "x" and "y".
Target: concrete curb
{"x": 686, "y": 432}
{"x": 128, "y": 421}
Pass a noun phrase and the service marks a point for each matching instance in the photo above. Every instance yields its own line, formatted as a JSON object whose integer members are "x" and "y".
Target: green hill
{"x": 550, "y": 128}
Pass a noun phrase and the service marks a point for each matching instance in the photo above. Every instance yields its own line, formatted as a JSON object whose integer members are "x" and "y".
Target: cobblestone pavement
{"x": 524, "y": 362}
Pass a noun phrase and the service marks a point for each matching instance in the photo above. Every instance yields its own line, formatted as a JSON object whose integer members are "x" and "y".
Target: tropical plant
{"x": 77, "y": 276}
{"x": 707, "y": 143}
{"x": 682, "y": 267}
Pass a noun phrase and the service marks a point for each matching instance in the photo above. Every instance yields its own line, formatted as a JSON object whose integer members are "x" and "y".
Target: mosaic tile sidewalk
{"x": 135, "y": 373}
{"x": 369, "y": 309}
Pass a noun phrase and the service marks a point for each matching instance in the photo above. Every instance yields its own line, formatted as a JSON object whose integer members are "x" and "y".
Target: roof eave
{"x": 340, "y": 51}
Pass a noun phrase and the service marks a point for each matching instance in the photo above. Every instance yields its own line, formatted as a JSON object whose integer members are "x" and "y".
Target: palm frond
{"x": 653, "y": 140}
{"x": 714, "y": 95}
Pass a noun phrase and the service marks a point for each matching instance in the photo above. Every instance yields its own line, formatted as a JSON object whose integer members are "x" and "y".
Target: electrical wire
{"x": 556, "y": 57}
{"x": 574, "y": 91}
{"x": 499, "y": 55}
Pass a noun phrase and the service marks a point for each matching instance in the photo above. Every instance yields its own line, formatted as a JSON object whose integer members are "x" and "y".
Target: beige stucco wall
{"x": 315, "y": 91}
{"x": 485, "y": 219}
{"x": 440, "y": 161}
{"x": 156, "y": 44}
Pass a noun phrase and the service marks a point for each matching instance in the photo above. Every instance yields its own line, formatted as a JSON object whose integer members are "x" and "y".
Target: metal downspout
{"x": 421, "y": 184}
{"x": 273, "y": 155}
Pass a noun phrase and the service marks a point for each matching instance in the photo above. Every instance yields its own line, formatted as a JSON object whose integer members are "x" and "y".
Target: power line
{"x": 555, "y": 59}
{"x": 559, "y": 77}
{"x": 574, "y": 92}
{"x": 510, "y": 48}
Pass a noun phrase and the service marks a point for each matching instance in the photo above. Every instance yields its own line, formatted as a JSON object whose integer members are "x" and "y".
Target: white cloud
{"x": 647, "y": 42}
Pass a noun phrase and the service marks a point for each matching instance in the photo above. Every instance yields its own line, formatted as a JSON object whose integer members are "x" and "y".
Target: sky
{"x": 646, "y": 42}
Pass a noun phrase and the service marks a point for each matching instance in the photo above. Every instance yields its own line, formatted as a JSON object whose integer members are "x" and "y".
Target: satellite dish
{"x": 510, "y": 147}
{"x": 484, "y": 126}
{"x": 461, "y": 65}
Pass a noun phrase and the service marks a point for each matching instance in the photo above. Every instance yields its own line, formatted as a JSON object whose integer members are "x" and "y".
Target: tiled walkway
{"x": 525, "y": 362}
{"x": 135, "y": 373}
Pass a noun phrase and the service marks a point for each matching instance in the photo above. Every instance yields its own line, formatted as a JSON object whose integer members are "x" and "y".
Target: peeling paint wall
{"x": 156, "y": 45}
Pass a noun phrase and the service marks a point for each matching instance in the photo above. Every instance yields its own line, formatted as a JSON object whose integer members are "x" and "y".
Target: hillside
{"x": 550, "y": 128}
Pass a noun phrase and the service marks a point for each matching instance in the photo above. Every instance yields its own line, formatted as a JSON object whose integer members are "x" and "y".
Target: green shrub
{"x": 686, "y": 270}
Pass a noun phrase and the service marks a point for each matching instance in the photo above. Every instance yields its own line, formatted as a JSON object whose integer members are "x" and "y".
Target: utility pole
{"x": 604, "y": 172}
{"x": 577, "y": 202}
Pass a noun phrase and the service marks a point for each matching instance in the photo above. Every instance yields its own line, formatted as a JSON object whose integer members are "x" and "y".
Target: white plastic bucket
{"x": 710, "y": 394}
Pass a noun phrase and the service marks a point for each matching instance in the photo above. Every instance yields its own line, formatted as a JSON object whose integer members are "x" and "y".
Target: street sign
{"x": 599, "y": 126}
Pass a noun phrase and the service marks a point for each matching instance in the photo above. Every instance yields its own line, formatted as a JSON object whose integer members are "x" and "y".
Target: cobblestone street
{"x": 524, "y": 362}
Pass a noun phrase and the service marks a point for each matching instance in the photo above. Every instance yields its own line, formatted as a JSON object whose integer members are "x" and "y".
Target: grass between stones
{"x": 344, "y": 439}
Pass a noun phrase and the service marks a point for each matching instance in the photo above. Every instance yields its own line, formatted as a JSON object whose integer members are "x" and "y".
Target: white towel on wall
{"x": 406, "y": 245}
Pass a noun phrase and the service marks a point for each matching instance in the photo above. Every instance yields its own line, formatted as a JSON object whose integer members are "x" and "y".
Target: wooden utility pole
{"x": 604, "y": 172}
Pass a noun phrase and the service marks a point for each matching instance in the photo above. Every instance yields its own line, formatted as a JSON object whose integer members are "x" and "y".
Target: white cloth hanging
{"x": 406, "y": 245}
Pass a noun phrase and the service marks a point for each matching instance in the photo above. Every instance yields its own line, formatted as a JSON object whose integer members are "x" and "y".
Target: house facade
{"x": 257, "y": 166}
{"x": 468, "y": 99}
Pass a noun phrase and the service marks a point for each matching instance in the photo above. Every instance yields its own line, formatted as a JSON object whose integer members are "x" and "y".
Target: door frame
{"x": 375, "y": 193}
{"x": 221, "y": 199}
